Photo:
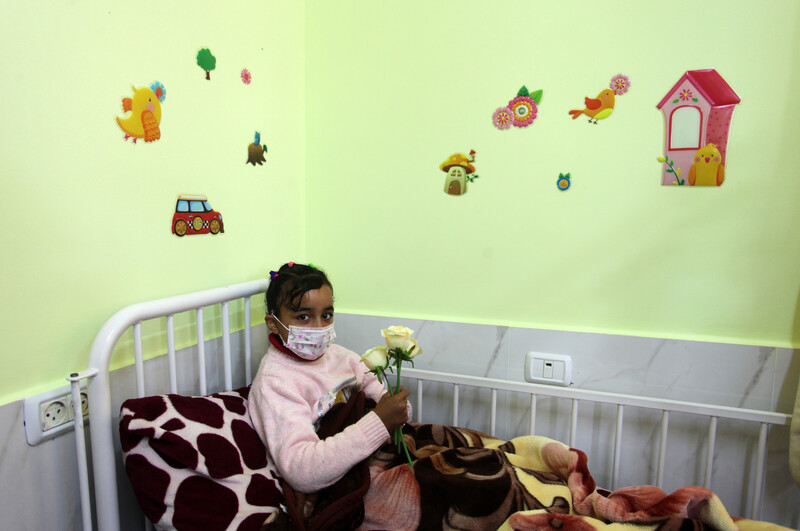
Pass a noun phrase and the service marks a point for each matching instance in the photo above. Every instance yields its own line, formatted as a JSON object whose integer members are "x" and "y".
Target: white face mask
{"x": 308, "y": 343}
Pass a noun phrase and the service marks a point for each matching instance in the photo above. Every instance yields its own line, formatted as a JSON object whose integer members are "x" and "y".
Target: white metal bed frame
{"x": 102, "y": 428}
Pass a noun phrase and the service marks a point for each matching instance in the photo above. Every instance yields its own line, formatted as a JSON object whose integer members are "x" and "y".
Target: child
{"x": 303, "y": 375}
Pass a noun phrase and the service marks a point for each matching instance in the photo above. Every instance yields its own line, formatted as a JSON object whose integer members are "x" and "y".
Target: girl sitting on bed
{"x": 303, "y": 375}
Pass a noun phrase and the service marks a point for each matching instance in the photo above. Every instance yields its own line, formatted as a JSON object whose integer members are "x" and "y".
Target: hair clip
{"x": 273, "y": 274}
{"x": 312, "y": 265}
{"x": 290, "y": 264}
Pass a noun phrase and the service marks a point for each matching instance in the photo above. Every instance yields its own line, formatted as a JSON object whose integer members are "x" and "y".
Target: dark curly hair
{"x": 291, "y": 283}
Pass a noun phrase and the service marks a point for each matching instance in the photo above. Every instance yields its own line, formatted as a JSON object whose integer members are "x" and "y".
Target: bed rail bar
{"x": 666, "y": 406}
{"x": 100, "y": 427}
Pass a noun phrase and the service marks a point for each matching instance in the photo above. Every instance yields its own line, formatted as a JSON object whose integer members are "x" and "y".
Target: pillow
{"x": 197, "y": 462}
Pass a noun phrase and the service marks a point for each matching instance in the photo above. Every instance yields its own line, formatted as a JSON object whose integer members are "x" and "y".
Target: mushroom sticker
{"x": 460, "y": 171}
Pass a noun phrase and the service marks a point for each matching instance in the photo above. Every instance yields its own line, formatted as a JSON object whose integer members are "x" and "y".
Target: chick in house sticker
{"x": 460, "y": 171}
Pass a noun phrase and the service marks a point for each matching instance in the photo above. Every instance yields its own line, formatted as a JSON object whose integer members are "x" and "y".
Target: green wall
{"x": 395, "y": 88}
{"x": 87, "y": 215}
{"x": 359, "y": 102}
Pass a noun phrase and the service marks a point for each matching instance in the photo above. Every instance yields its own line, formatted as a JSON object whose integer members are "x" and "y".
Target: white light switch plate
{"x": 552, "y": 369}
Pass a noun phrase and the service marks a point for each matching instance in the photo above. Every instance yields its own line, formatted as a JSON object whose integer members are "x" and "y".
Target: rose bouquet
{"x": 400, "y": 347}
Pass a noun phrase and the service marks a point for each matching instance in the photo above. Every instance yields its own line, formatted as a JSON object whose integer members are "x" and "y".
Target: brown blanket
{"x": 341, "y": 505}
{"x": 467, "y": 480}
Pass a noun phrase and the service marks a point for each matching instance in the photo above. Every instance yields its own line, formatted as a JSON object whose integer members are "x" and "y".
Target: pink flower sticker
{"x": 685, "y": 94}
{"x": 524, "y": 111}
{"x": 246, "y": 77}
{"x": 502, "y": 118}
{"x": 620, "y": 84}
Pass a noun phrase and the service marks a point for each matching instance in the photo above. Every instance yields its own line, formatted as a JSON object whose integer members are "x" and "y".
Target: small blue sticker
{"x": 563, "y": 181}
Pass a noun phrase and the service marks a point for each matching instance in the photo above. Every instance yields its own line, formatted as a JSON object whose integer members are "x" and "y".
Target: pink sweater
{"x": 287, "y": 398}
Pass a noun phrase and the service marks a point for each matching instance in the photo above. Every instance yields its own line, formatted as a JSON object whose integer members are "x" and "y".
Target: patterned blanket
{"x": 466, "y": 480}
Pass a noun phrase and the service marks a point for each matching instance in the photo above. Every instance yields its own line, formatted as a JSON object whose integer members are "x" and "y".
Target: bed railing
{"x": 763, "y": 418}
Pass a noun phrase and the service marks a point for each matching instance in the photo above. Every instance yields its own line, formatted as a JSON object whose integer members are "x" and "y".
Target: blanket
{"x": 463, "y": 479}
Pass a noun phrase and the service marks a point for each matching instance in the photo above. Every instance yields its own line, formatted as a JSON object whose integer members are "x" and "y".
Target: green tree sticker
{"x": 206, "y": 61}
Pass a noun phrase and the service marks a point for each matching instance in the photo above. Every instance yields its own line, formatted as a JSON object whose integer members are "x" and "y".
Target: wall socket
{"x": 553, "y": 369}
{"x": 51, "y": 413}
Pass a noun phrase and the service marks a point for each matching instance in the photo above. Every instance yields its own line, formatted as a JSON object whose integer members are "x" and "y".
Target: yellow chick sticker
{"x": 707, "y": 168}
{"x": 145, "y": 113}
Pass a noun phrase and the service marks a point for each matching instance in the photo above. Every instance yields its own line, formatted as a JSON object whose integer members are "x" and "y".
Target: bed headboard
{"x": 99, "y": 389}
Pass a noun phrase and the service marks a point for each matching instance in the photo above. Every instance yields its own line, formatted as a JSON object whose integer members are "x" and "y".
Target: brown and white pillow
{"x": 197, "y": 463}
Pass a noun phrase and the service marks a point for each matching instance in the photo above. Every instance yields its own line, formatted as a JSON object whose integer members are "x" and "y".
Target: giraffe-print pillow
{"x": 197, "y": 462}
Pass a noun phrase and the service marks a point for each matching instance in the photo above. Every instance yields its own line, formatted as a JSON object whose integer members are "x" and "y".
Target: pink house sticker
{"x": 698, "y": 110}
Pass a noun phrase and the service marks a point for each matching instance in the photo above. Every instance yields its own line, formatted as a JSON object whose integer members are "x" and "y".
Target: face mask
{"x": 308, "y": 343}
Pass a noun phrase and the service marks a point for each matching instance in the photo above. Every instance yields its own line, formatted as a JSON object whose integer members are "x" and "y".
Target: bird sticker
{"x": 256, "y": 152}
{"x": 602, "y": 106}
{"x": 145, "y": 113}
{"x": 707, "y": 168}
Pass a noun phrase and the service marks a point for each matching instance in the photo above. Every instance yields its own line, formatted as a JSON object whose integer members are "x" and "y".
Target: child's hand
{"x": 392, "y": 409}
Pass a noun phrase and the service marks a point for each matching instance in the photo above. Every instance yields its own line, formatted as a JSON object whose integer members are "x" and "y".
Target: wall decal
{"x": 707, "y": 168}
{"x": 520, "y": 111}
{"x": 460, "y": 171}
{"x": 194, "y": 215}
{"x": 698, "y": 110}
{"x": 602, "y": 106}
{"x": 145, "y": 113}
{"x": 563, "y": 181}
{"x": 670, "y": 168}
{"x": 246, "y": 77}
{"x": 256, "y": 152}
{"x": 206, "y": 61}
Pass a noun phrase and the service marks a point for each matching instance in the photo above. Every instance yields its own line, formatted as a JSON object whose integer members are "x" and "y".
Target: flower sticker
{"x": 520, "y": 111}
{"x": 524, "y": 109}
{"x": 503, "y": 117}
{"x": 685, "y": 94}
{"x": 563, "y": 181}
{"x": 159, "y": 90}
{"x": 246, "y": 77}
{"x": 620, "y": 84}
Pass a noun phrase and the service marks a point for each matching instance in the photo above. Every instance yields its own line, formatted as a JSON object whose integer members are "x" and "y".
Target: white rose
{"x": 415, "y": 349}
{"x": 376, "y": 358}
{"x": 398, "y": 337}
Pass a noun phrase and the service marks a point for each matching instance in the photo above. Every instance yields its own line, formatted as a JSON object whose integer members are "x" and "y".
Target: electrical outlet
{"x": 554, "y": 369}
{"x": 51, "y": 413}
{"x": 54, "y": 413}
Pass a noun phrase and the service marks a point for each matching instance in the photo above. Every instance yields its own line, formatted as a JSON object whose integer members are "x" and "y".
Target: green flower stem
{"x": 399, "y": 440}
{"x": 387, "y": 382}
